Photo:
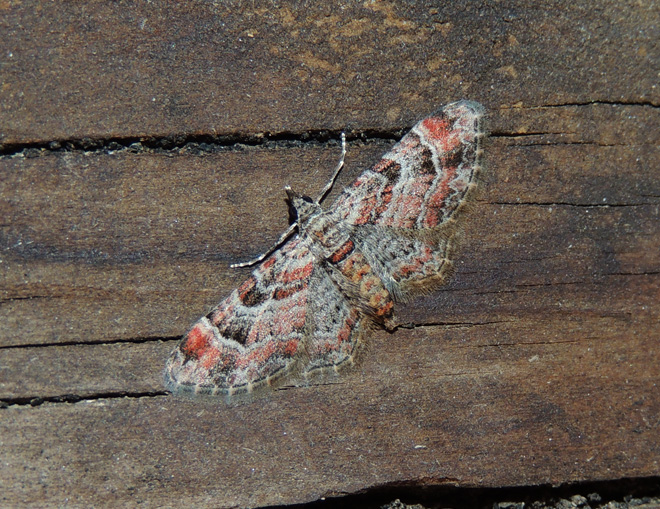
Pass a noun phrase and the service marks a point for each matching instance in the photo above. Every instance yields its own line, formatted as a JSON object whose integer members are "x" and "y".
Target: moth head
{"x": 302, "y": 208}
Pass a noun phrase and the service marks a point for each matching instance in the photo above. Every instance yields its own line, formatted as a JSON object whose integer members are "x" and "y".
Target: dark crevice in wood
{"x": 569, "y": 104}
{"x": 598, "y": 102}
{"x": 27, "y": 297}
{"x": 310, "y": 385}
{"x": 410, "y": 325}
{"x": 528, "y": 343}
{"x": 198, "y": 144}
{"x": 74, "y": 398}
{"x": 566, "y": 143}
{"x": 206, "y": 143}
{"x": 92, "y": 343}
{"x": 569, "y": 204}
{"x": 521, "y": 287}
{"x": 504, "y": 134}
{"x": 554, "y": 142}
{"x": 644, "y": 273}
{"x": 552, "y": 283}
{"x": 446, "y": 492}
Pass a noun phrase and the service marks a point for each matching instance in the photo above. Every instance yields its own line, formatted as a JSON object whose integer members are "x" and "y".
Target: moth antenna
{"x": 263, "y": 256}
{"x": 288, "y": 233}
{"x": 335, "y": 174}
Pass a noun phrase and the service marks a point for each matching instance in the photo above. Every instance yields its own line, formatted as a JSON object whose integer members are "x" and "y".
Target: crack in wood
{"x": 569, "y": 204}
{"x": 201, "y": 143}
{"x": 413, "y": 326}
{"x": 135, "y": 340}
{"x": 208, "y": 143}
{"x": 35, "y": 401}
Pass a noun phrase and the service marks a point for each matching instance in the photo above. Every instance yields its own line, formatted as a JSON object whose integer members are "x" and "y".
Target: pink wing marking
{"x": 253, "y": 335}
{"x": 423, "y": 179}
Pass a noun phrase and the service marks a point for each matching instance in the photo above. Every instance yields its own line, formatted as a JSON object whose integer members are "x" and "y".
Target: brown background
{"x": 144, "y": 148}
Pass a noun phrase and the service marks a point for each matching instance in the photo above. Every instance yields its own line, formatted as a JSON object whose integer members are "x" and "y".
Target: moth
{"x": 306, "y": 309}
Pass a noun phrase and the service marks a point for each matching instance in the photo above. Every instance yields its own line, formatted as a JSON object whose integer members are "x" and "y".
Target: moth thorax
{"x": 324, "y": 230}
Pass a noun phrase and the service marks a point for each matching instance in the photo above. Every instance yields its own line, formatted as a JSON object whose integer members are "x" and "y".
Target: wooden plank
{"x": 536, "y": 364}
{"x": 93, "y": 71}
{"x": 435, "y": 405}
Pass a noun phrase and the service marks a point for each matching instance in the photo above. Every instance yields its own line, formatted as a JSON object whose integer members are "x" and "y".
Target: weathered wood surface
{"x": 537, "y": 363}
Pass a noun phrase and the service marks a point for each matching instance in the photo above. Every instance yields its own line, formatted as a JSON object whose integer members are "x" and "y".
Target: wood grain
{"x": 97, "y": 70}
{"x": 119, "y": 215}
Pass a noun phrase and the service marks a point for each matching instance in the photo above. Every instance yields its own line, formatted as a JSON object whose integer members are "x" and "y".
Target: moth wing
{"x": 255, "y": 336}
{"x": 336, "y": 326}
{"x": 405, "y": 263}
{"x": 401, "y": 209}
{"x": 424, "y": 178}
